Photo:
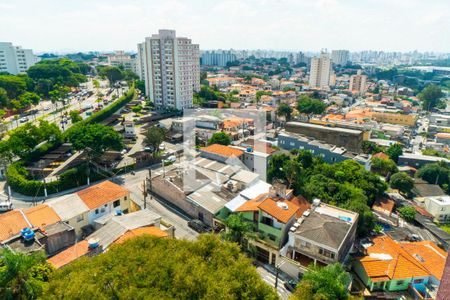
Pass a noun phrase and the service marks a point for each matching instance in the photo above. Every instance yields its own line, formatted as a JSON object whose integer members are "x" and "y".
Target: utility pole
{"x": 144, "y": 193}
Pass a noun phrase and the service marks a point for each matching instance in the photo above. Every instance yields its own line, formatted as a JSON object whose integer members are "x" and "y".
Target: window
{"x": 102, "y": 210}
{"x": 96, "y": 211}
{"x": 267, "y": 221}
{"x": 400, "y": 282}
{"x": 125, "y": 198}
{"x": 326, "y": 253}
{"x": 116, "y": 203}
{"x": 272, "y": 237}
{"x": 80, "y": 218}
{"x": 420, "y": 280}
{"x": 305, "y": 244}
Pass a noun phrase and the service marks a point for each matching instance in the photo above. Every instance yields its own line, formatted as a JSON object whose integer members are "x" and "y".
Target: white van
{"x": 5, "y": 206}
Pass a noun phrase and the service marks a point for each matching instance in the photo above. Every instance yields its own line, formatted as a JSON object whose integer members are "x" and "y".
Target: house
{"x": 272, "y": 214}
{"x": 117, "y": 229}
{"x": 424, "y": 189}
{"x": 323, "y": 235}
{"x": 399, "y": 266}
{"x": 419, "y": 160}
{"x": 221, "y": 153}
{"x": 384, "y": 206}
{"x": 105, "y": 198}
{"x": 439, "y": 208}
{"x": 444, "y": 287}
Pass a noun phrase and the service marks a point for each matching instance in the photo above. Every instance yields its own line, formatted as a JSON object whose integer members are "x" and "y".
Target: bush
{"x": 407, "y": 212}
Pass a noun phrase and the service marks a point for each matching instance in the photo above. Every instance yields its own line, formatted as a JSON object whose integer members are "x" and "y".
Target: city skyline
{"x": 255, "y": 24}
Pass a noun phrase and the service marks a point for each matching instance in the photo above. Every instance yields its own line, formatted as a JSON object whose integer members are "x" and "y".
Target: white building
{"x": 340, "y": 57}
{"x": 119, "y": 58}
{"x": 170, "y": 67}
{"x": 14, "y": 59}
{"x": 320, "y": 71}
{"x": 439, "y": 207}
{"x": 217, "y": 58}
{"x": 358, "y": 83}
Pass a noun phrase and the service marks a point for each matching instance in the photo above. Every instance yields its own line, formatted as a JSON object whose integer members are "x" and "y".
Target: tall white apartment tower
{"x": 14, "y": 59}
{"x": 320, "y": 71}
{"x": 358, "y": 83}
{"x": 340, "y": 57}
{"x": 170, "y": 67}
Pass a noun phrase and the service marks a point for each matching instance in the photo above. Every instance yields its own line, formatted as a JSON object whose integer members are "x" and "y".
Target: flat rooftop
{"x": 314, "y": 126}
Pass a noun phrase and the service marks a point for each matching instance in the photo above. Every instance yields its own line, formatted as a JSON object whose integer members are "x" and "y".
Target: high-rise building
{"x": 217, "y": 58}
{"x": 170, "y": 67}
{"x": 301, "y": 58}
{"x": 358, "y": 83}
{"x": 340, "y": 57}
{"x": 120, "y": 58}
{"x": 14, "y": 59}
{"x": 320, "y": 71}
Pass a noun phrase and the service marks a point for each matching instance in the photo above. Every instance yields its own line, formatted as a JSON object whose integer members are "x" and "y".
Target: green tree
{"x": 140, "y": 85}
{"x": 402, "y": 181}
{"x": 30, "y": 98}
{"x": 220, "y": 138}
{"x": 113, "y": 74}
{"x": 155, "y": 268}
{"x": 96, "y": 137}
{"x": 324, "y": 283}
{"x": 284, "y": 110}
{"x": 407, "y": 212}
{"x": 275, "y": 169}
{"x": 23, "y": 276}
{"x": 154, "y": 137}
{"x": 435, "y": 173}
{"x": 13, "y": 85}
{"x": 75, "y": 116}
{"x": 394, "y": 151}
{"x": 430, "y": 96}
{"x": 238, "y": 229}
{"x": 309, "y": 105}
{"x": 136, "y": 108}
{"x": 383, "y": 166}
{"x": 4, "y": 100}
{"x": 370, "y": 147}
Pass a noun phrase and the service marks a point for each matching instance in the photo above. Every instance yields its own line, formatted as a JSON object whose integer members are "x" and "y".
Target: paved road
{"x": 269, "y": 278}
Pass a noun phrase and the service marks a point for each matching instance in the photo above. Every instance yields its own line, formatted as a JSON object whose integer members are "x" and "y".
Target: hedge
{"x": 111, "y": 109}
{"x": 16, "y": 175}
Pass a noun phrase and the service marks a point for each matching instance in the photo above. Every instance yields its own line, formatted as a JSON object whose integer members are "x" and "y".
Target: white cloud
{"x": 275, "y": 24}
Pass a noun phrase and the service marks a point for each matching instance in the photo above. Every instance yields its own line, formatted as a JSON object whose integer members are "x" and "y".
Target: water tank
{"x": 316, "y": 202}
{"x": 118, "y": 212}
{"x": 249, "y": 149}
{"x": 93, "y": 243}
{"x": 27, "y": 234}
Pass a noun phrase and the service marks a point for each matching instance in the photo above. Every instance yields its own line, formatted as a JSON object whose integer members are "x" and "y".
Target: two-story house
{"x": 272, "y": 214}
{"x": 323, "y": 235}
{"x": 391, "y": 266}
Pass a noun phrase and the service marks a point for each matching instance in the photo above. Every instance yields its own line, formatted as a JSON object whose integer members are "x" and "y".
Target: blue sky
{"x": 390, "y": 25}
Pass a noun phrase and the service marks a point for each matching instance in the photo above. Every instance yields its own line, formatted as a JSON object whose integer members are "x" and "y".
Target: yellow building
{"x": 392, "y": 118}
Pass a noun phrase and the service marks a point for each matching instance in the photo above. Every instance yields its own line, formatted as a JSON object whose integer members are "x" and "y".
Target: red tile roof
{"x": 70, "y": 254}
{"x": 102, "y": 193}
{"x": 151, "y": 230}
{"x": 11, "y": 223}
{"x": 41, "y": 215}
{"x": 388, "y": 259}
{"x": 222, "y": 150}
{"x": 282, "y": 210}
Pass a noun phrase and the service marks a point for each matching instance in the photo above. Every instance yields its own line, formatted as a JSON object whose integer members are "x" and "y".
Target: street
{"x": 270, "y": 279}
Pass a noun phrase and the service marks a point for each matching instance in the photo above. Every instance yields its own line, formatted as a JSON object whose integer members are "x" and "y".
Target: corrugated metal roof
{"x": 68, "y": 206}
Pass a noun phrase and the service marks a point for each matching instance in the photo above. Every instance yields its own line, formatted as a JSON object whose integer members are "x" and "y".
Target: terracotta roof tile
{"x": 102, "y": 193}
{"x": 302, "y": 204}
{"x": 11, "y": 223}
{"x": 274, "y": 208}
{"x": 151, "y": 230}
{"x": 384, "y": 204}
{"x": 381, "y": 155}
{"x": 41, "y": 215}
{"x": 387, "y": 258}
{"x": 222, "y": 150}
{"x": 69, "y": 255}
{"x": 252, "y": 205}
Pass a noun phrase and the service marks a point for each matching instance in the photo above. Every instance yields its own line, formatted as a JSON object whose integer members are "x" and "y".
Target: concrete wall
{"x": 349, "y": 140}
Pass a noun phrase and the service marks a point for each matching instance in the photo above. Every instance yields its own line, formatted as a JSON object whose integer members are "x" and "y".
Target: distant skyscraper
{"x": 340, "y": 57}
{"x": 14, "y": 59}
{"x": 301, "y": 58}
{"x": 320, "y": 71}
{"x": 170, "y": 67}
{"x": 358, "y": 83}
{"x": 217, "y": 58}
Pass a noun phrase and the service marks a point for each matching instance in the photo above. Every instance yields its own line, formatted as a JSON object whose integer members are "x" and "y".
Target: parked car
{"x": 24, "y": 119}
{"x": 290, "y": 285}
{"x": 5, "y": 206}
{"x": 198, "y": 226}
{"x": 170, "y": 159}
